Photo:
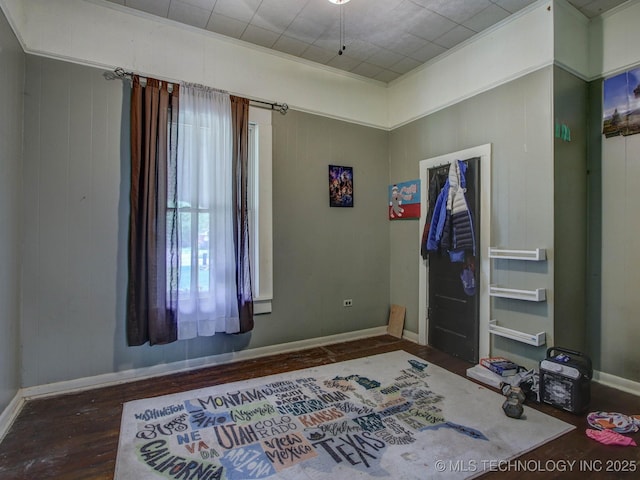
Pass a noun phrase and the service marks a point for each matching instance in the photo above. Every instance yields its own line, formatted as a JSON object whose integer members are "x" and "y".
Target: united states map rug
{"x": 385, "y": 416}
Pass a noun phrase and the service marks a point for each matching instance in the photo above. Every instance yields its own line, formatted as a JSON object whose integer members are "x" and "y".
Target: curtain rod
{"x": 279, "y": 107}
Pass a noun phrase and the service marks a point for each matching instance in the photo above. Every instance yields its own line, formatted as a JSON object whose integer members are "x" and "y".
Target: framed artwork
{"x": 404, "y": 200}
{"x": 340, "y": 186}
{"x": 621, "y": 104}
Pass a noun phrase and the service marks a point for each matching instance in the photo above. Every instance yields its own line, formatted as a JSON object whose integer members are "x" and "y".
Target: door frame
{"x": 484, "y": 152}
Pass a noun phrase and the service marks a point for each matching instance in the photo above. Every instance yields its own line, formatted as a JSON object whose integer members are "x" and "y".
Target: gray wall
{"x": 323, "y": 255}
{"x": 12, "y": 83}
{"x": 76, "y": 218}
{"x": 75, "y": 187}
{"x": 516, "y": 119}
{"x": 570, "y": 101}
{"x": 616, "y": 333}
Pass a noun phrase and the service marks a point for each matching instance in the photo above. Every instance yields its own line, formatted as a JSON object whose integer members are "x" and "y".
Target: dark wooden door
{"x": 454, "y": 315}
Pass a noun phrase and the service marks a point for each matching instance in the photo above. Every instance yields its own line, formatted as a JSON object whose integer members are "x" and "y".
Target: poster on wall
{"x": 621, "y": 104}
{"x": 340, "y": 186}
{"x": 404, "y": 200}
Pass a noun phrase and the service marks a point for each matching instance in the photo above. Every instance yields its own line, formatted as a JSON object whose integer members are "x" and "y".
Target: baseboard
{"x": 613, "y": 381}
{"x": 136, "y": 374}
{"x": 411, "y": 336}
{"x": 10, "y": 413}
{"x": 616, "y": 382}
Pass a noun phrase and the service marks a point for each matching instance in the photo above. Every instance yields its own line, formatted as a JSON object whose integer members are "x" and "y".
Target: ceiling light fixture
{"x": 343, "y": 47}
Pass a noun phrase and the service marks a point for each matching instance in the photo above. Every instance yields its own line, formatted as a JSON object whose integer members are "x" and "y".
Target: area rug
{"x": 385, "y": 416}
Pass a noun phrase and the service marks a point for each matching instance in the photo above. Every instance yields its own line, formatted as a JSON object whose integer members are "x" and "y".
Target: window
{"x": 195, "y": 260}
{"x": 188, "y": 194}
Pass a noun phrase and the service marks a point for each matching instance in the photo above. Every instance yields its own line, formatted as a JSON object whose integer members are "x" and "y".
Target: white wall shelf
{"x": 535, "y": 339}
{"x": 536, "y": 295}
{"x": 536, "y": 255}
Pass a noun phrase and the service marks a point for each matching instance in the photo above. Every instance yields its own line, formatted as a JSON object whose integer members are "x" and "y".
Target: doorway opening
{"x": 426, "y": 331}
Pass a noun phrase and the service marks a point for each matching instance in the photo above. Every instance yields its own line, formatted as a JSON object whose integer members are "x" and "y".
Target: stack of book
{"x": 500, "y": 365}
{"x": 492, "y": 371}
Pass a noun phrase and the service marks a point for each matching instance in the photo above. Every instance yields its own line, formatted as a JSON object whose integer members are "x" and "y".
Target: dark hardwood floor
{"x": 75, "y": 436}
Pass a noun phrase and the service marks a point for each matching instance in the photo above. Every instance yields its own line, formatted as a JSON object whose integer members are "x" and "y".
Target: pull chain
{"x": 343, "y": 47}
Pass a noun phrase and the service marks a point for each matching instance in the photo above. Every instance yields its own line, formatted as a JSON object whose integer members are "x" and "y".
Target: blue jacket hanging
{"x": 438, "y": 219}
{"x": 452, "y": 227}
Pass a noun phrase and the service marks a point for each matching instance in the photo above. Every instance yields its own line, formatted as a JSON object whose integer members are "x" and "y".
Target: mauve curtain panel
{"x": 240, "y": 121}
{"x": 152, "y": 284}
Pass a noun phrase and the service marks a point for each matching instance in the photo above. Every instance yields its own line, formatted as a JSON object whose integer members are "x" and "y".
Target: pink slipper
{"x": 609, "y": 437}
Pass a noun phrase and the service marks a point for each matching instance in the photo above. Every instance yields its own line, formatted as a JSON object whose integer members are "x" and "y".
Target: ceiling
{"x": 384, "y": 38}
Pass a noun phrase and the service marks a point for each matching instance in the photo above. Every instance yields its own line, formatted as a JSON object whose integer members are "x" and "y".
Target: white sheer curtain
{"x": 207, "y": 299}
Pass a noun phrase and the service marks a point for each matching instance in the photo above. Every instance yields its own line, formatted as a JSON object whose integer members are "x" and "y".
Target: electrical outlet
{"x": 347, "y": 302}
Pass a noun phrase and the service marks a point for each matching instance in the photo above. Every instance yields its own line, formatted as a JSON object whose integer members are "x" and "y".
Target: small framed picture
{"x": 404, "y": 200}
{"x": 340, "y": 186}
